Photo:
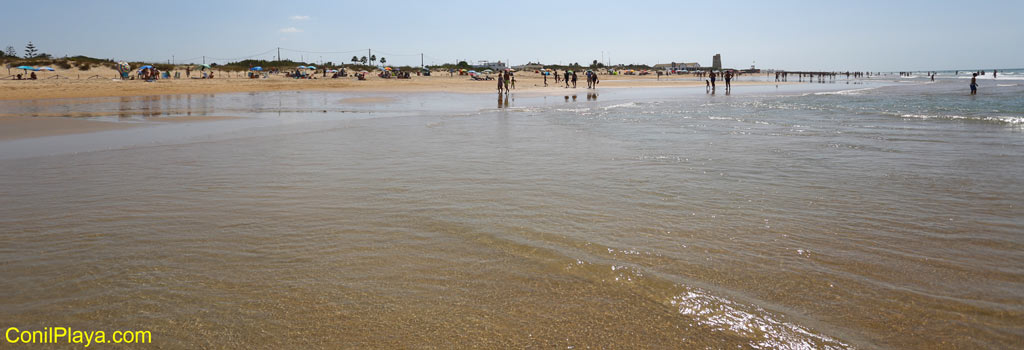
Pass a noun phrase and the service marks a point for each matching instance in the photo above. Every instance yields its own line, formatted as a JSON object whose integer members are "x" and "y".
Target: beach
{"x": 73, "y": 87}
{"x": 860, "y": 214}
{"x": 85, "y": 84}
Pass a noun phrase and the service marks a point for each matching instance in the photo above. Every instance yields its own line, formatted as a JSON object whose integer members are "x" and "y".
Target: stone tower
{"x": 716, "y": 62}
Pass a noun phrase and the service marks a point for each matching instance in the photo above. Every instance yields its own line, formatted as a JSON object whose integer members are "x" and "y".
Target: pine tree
{"x": 10, "y": 51}
{"x": 30, "y": 50}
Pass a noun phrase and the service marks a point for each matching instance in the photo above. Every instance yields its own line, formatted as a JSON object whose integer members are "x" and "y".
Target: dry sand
{"x": 76, "y": 84}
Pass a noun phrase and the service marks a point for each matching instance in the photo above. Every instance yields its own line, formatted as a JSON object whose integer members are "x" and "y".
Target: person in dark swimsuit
{"x": 974, "y": 84}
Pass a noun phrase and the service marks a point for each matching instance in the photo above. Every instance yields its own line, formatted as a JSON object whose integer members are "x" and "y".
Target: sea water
{"x": 881, "y": 213}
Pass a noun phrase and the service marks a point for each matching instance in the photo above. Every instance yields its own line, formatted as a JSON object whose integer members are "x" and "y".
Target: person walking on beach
{"x": 512, "y": 78}
{"x": 501, "y": 84}
{"x": 974, "y": 84}
{"x": 712, "y": 76}
{"x": 188, "y": 72}
{"x": 573, "y": 79}
{"x": 566, "y": 78}
{"x": 545, "y": 74}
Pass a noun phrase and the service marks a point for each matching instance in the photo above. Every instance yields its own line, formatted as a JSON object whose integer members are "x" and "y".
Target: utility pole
{"x": 421, "y": 60}
{"x": 204, "y": 59}
{"x": 172, "y": 60}
{"x": 368, "y": 55}
{"x": 279, "y": 54}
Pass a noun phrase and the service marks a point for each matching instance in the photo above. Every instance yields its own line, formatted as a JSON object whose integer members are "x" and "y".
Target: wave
{"x": 765, "y": 331}
{"x": 575, "y": 110}
{"x": 1001, "y": 76}
{"x": 1013, "y": 120}
{"x": 845, "y": 92}
{"x": 621, "y": 105}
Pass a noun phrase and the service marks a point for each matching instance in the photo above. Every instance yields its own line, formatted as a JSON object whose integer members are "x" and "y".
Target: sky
{"x": 795, "y": 35}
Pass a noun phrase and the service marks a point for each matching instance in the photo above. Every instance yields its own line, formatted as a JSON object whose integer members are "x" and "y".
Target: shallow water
{"x": 809, "y": 216}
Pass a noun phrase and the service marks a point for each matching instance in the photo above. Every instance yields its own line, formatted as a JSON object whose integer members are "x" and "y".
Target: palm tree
{"x": 363, "y": 60}
{"x": 355, "y": 59}
{"x": 383, "y": 60}
{"x": 373, "y": 58}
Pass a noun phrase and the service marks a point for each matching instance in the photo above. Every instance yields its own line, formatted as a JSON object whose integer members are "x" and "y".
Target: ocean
{"x": 875, "y": 213}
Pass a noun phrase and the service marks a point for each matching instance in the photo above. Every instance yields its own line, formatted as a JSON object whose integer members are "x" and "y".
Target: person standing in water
{"x": 974, "y": 84}
{"x": 712, "y": 76}
{"x": 728, "y": 80}
{"x": 501, "y": 84}
{"x": 994, "y": 73}
{"x": 574, "y": 79}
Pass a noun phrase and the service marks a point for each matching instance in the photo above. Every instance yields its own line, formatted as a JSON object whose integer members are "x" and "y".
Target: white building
{"x": 490, "y": 65}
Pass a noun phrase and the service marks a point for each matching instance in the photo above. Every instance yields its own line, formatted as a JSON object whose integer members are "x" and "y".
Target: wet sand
{"x": 12, "y": 128}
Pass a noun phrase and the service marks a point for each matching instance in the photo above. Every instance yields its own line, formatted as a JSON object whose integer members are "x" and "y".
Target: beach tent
{"x": 144, "y": 67}
{"x": 256, "y": 69}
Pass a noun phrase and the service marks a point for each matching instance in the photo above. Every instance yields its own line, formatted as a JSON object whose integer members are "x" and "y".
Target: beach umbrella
{"x": 45, "y": 68}
{"x": 301, "y": 67}
{"x": 387, "y": 68}
{"x": 26, "y": 68}
{"x": 203, "y": 66}
{"x": 311, "y": 67}
{"x": 123, "y": 67}
{"x": 256, "y": 68}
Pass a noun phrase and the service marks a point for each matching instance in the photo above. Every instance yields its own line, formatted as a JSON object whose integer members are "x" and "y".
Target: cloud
{"x": 291, "y": 30}
{"x": 298, "y": 18}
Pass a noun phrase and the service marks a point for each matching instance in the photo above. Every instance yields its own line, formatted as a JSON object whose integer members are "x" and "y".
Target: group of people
{"x": 592, "y": 80}
{"x": 712, "y": 76}
{"x": 570, "y": 78}
{"x": 506, "y": 81}
{"x": 386, "y": 74}
{"x": 32, "y": 76}
{"x": 149, "y": 74}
